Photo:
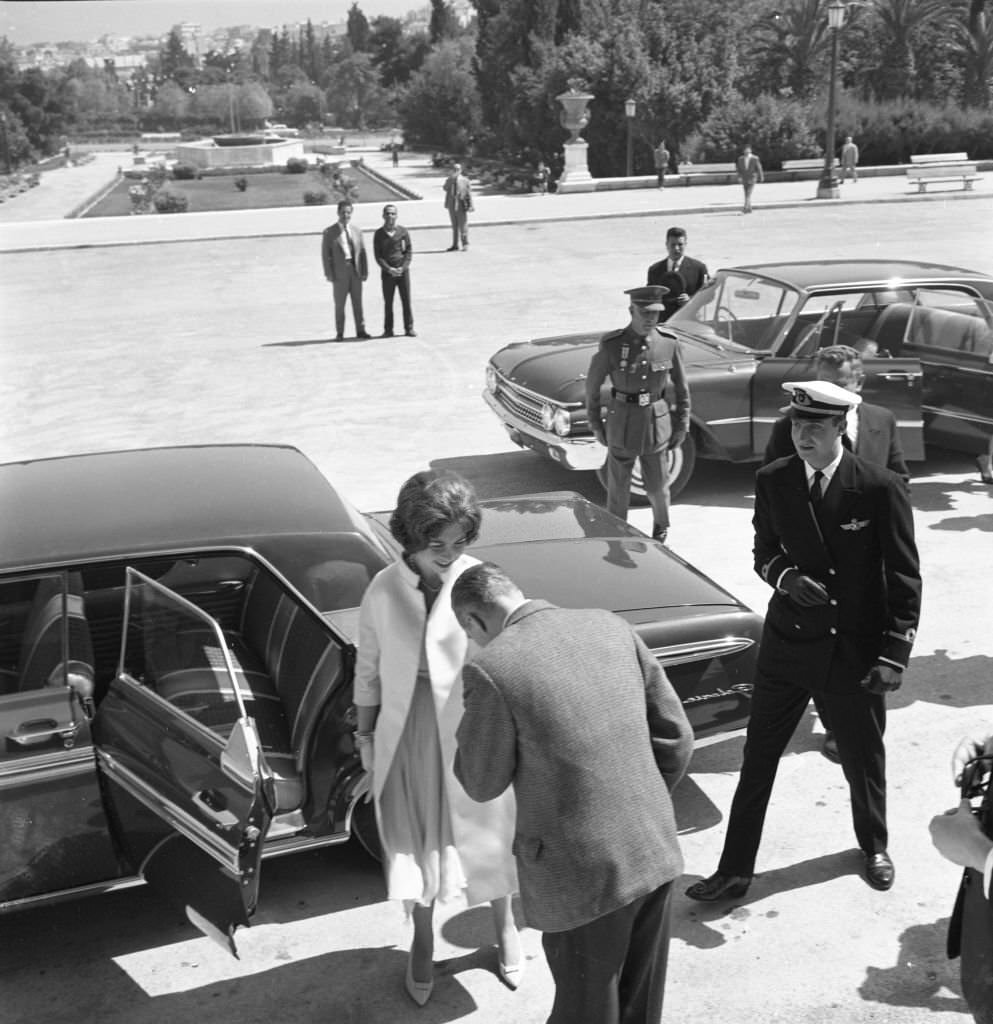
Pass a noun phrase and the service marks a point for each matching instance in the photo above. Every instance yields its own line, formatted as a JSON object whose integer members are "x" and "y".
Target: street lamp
{"x": 829, "y": 187}
{"x": 629, "y": 111}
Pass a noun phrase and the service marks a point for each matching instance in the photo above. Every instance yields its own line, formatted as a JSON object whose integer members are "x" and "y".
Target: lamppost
{"x": 6, "y": 146}
{"x": 629, "y": 110}
{"x": 829, "y": 187}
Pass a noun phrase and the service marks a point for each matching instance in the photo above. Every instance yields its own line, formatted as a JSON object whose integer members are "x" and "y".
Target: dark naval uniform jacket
{"x": 638, "y": 371}
{"x": 860, "y": 546}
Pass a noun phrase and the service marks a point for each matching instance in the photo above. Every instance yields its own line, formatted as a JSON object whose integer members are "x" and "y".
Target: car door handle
{"x": 206, "y": 801}
{"x": 29, "y": 734}
{"x": 899, "y": 376}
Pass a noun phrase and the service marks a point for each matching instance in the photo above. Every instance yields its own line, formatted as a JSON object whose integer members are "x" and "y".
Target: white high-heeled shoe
{"x": 511, "y": 975}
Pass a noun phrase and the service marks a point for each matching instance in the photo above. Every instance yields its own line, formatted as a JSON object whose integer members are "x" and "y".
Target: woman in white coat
{"x": 437, "y": 842}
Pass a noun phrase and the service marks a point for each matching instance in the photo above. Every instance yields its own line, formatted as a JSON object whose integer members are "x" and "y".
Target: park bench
{"x": 929, "y": 168}
{"x": 726, "y": 171}
{"x": 809, "y": 164}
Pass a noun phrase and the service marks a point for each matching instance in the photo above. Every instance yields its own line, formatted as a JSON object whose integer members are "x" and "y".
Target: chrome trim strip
{"x": 282, "y": 847}
{"x": 63, "y": 895}
{"x": 701, "y": 650}
{"x": 735, "y": 420}
{"x": 175, "y": 816}
{"x": 534, "y": 395}
{"x": 46, "y": 768}
{"x": 947, "y": 414}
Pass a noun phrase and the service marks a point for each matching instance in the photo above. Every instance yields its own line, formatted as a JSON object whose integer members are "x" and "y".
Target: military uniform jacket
{"x": 860, "y": 546}
{"x": 633, "y": 366}
{"x": 571, "y": 708}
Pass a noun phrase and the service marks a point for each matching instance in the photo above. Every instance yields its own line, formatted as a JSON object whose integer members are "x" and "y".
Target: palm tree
{"x": 789, "y": 42}
{"x": 973, "y": 41}
{"x": 899, "y": 21}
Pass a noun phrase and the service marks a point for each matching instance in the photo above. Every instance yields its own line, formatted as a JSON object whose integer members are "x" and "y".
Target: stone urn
{"x": 575, "y": 116}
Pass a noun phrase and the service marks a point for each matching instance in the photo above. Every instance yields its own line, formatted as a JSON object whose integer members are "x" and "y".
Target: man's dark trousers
{"x": 391, "y": 285}
{"x": 632, "y": 944}
{"x": 858, "y": 720}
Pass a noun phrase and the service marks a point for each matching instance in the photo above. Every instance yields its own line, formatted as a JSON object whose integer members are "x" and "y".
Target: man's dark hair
{"x": 675, "y": 232}
{"x": 343, "y": 203}
{"x": 430, "y": 501}
{"x": 481, "y": 586}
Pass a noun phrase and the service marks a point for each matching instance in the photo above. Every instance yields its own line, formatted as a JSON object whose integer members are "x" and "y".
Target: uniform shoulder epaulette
{"x": 610, "y": 335}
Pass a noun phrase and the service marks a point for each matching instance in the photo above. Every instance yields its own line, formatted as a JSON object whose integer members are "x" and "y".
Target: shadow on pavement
{"x": 921, "y": 975}
{"x": 950, "y": 682}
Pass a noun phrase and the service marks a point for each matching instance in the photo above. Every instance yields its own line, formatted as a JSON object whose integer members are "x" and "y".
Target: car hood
{"x": 555, "y": 368}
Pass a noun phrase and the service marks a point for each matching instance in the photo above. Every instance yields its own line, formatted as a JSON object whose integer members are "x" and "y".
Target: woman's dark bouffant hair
{"x": 430, "y": 501}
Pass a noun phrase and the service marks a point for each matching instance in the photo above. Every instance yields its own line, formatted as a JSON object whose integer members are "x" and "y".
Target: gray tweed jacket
{"x": 571, "y": 708}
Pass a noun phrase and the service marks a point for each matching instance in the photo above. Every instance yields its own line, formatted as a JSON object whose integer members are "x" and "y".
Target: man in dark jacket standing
{"x": 639, "y": 361}
{"x": 571, "y": 708}
{"x": 682, "y": 275}
{"x": 870, "y": 431}
{"x": 392, "y": 250}
{"x": 834, "y": 537}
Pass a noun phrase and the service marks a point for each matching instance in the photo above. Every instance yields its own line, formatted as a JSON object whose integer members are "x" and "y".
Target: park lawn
{"x": 264, "y": 191}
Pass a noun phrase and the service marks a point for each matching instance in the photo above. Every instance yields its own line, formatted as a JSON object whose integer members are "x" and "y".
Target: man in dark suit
{"x": 639, "y": 361}
{"x": 572, "y": 709}
{"x": 682, "y": 275}
{"x": 834, "y": 537}
{"x": 870, "y": 431}
{"x": 346, "y": 266}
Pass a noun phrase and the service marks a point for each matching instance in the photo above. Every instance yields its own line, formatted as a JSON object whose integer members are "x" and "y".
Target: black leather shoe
{"x": 830, "y": 748}
{"x": 879, "y": 870}
{"x": 411, "y": 333}
{"x": 452, "y": 248}
{"x": 363, "y": 336}
{"x": 659, "y": 533}
{"x": 719, "y": 887}
{"x": 387, "y": 334}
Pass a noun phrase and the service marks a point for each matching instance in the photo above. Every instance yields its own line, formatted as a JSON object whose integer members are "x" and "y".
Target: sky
{"x": 38, "y": 21}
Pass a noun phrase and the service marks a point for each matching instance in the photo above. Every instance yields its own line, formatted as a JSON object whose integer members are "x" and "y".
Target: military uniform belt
{"x": 635, "y": 398}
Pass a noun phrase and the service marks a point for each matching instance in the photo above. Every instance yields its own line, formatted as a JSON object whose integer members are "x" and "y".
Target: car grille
{"x": 523, "y": 403}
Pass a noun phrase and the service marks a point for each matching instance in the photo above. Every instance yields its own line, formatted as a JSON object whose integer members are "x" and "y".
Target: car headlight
{"x": 491, "y": 379}
{"x": 547, "y": 416}
{"x": 561, "y": 422}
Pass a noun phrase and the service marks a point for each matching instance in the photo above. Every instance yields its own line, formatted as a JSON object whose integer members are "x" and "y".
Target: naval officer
{"x": 834, "y": 538}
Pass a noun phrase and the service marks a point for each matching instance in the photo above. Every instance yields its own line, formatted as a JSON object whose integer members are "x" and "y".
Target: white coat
{"x": 391, "y": 627}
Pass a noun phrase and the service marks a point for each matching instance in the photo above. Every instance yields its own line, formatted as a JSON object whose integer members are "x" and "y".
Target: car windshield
{"x": 739, "y": 308}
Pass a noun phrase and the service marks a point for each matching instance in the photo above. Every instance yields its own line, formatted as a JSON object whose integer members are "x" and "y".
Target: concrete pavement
{"x": 36, "y": 220}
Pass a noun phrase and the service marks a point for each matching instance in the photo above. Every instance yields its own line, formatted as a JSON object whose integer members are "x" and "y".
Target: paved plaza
{"x": 215, "y": 327}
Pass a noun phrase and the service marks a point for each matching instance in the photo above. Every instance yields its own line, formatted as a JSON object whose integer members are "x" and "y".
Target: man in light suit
{"x": 870, "y": 431}
{"x": 458, "y": 202}
{"x": 345, "y": 267}
{"x": 834, "y": 538}
{"x": 572, "y": 709}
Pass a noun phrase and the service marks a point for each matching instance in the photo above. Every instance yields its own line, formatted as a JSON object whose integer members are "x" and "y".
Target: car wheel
{"x": 680, "y": 463}
{"x": 365, "y": 830}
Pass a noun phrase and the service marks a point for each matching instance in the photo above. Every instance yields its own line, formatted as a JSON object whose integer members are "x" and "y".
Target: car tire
{"x": 365, "y": 829}
{"x": 681, "y": 464}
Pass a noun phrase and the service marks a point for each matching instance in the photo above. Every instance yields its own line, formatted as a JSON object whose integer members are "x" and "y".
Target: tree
{"x": 443, "y": 24}
{"x": 171, "y": 105}
{"x": 354, "y": 90}
{"x": 174, "y": 62}
{"x": 974, "y": 43}
{"x": 441, "y": 106}
{"x": 900, "y": 22}
{"x": 303, "y": 103}
{"x": 357, "y": 29}
{"x": 787, "y": 48}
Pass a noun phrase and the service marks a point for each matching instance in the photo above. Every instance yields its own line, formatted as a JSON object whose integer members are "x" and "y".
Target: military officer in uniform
{"x": 638, "y": 361}
{"x": 834, "y": 538}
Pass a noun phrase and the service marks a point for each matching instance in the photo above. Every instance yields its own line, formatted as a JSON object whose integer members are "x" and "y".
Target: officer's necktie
{"x": 816, "y": 492}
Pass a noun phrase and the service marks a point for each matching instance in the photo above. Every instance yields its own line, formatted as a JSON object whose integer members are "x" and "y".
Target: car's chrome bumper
{"x": 580, "y": 453}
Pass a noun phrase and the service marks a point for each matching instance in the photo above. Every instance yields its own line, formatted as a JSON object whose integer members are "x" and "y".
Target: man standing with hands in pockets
{"x": 834, "y": 537}
{"x": 345, "y": 267}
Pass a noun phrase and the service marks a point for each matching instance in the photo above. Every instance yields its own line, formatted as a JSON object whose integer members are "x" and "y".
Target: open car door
{"x": 184, "y": 794}
{"x": 892, "y": 383}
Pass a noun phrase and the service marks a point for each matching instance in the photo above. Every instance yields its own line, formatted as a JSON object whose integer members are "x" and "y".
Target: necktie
{"x": 351, "y": 245}
{"x": 816, "y": 492}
